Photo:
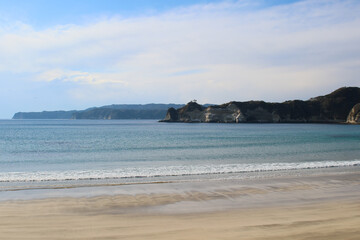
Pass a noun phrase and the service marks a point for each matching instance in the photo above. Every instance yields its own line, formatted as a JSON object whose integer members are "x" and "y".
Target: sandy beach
{"x": 323, "y": 206}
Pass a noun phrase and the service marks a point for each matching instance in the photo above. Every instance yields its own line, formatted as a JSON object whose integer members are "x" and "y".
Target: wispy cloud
{"x": 232, "y": 50}
{"x": 80, "y": 77}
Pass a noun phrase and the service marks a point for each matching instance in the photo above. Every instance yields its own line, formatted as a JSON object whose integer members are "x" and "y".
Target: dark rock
{"x": 171, "y": 116}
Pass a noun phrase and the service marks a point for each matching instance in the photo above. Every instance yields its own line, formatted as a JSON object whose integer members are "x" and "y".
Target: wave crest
{"x": 165, "y": 171}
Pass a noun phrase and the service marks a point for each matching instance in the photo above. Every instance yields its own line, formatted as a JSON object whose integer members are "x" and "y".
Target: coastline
{"x": 322, "y": 206}
{"x": 32, "y": 190}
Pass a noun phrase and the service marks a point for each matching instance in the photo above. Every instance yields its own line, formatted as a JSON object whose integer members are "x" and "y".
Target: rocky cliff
{"x": 354, "y": 115}
{"x": 339, "y": 106}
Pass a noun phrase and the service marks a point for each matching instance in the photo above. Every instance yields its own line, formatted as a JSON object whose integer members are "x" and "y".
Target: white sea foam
{"x": 145, "y": 172}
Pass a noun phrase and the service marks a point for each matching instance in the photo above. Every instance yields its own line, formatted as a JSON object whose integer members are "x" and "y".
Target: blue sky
{"x": 45, "y": 13}
{"x": 77, "y": 54}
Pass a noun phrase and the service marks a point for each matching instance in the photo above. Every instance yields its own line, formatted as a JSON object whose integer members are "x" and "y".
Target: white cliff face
{"x": 230, "y": 114}
{"x": 354, "y": 115}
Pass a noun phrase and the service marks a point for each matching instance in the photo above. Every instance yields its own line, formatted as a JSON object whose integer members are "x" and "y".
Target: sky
{"x": 64, "y": 55}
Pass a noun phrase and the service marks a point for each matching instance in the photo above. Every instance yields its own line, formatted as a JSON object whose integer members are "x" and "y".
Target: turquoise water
{"x": 75, "y": 150}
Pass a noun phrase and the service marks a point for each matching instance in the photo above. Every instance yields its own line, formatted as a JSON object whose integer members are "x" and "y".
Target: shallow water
{"x": 141, "y": 150}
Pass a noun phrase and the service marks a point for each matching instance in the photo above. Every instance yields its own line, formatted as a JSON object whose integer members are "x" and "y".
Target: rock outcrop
{"x": 331, "y": 108}
{"x": 354, "y": 115}
{"x": 171, "y": 114}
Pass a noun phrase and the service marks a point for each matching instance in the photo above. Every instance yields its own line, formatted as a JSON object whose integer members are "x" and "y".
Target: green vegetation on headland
{"x": 115, "y": 111}
{"x": 44, "y": 115}
{"x": 340, "y": 106}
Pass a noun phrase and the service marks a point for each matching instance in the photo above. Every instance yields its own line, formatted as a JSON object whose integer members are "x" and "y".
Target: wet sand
{"x": 317, "y": 207}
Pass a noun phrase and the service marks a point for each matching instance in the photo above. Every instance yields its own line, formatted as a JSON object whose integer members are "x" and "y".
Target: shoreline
{"x": 94, "y": 188}
{"x": 319, "y": 206}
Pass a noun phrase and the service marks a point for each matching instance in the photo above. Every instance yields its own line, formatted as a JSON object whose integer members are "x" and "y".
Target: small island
{"x": 340, "y": 106}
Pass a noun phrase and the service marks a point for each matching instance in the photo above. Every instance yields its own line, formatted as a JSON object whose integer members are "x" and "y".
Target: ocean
{"x": 42, "y": 153}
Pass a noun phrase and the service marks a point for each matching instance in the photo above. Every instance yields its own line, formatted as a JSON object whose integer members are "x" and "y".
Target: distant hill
{"x": 340, "y": 106}
{"x": 115, "y": 111}
{"x": 44, "y": 115}
{"x": 126, "y": 111}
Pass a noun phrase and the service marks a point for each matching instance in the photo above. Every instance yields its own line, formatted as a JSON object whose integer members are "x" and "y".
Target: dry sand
{"x": 323, "y": 207}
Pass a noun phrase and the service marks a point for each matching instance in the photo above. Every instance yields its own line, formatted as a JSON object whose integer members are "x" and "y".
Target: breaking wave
{"x": 164, "y": 171}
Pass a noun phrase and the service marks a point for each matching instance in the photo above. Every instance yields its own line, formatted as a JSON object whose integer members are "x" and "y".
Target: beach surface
{"x": 323, "y": 206}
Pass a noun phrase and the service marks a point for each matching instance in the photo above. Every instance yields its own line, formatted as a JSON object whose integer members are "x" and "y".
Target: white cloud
{"x": 230, "y": 51}
{"x": 80, "y": 77}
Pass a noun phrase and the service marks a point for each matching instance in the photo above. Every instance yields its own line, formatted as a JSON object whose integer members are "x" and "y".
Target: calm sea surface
{"x": 93, "y": 150}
